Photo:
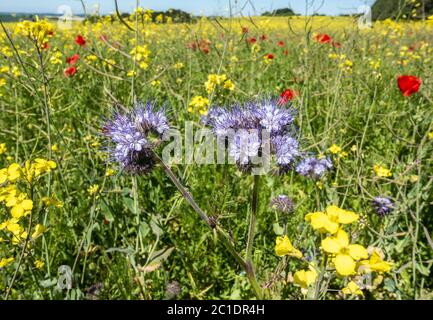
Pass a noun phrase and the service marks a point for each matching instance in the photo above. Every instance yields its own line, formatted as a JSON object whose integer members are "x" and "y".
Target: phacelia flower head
{"x": 282, "y": 203}
{"x": 134, "y": 135}
{"x": 313, "y": 167}
{"x": 245, "y": 125}
{"x": 382, "y": 205}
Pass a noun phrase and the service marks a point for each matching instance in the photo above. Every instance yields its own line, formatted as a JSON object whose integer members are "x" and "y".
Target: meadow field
{"x": 90, "y": 209}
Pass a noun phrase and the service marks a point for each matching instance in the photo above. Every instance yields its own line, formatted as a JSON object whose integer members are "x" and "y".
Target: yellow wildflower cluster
{"x": 140, "y": 55}
{"x": 338, "y": 151}
{"x": 93, "y": 189}
{"x": 199, "y": 104}
{"x": 343, "y": 62}
{"x": 39, "y": 31}
{"x": 382, "y": 172}
{"x": 19, "y": 202}
{"x": 349, "y": 259}
{"x": 56, "y": 58}
{"x": 214, "y": 81}
{"x": 4, "y": 262}
{"x": 144, "y": 15}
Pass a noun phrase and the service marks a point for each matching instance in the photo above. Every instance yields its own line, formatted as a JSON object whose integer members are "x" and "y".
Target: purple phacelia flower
{"x": 313, "y": 167}
{"x": 382, "y": 205}
{"x": 244, "y": 146}
{"x": 274, "y": 118}
{"x": 256, "y": 117}
{"x": 134, "y": 135}
{"x": 282, "y": 203}
{"x": 286, "y": 149}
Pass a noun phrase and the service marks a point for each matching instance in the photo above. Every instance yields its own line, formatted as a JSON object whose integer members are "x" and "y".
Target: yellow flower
{"x": 305, "y": 278}
{"x": 283, "y": 247}
{"x": 55, "y": 147}
{"x": 346, "y": 254}
{"x": 39, "y": 264}
{"x": 43, "y": 166}
{"x": 93, "y": 189}
{"x": 375, "y": 263}
{"x": 200, "y": 104}
{"x": 4, "y": 69}
{"x": 6, "y": 261}
{"x": 131, "y": 73}
{"x": 178, "y": 65}
{"x": 229, "y": 85}
{"x": 91, "y": 57}
{"x": 56, "y": 58}
{"x": 109, "y": 172}
{"x": 14, "y": 172}
{"x": 352, "y": 288}
{"x": 39, "y": 30}
{"x": 3, "y": 175}
{"x": 7, "y": 192}
{"x": 430, "y": 135}
{"x": 39, "y": 229}
{"x": 21, "y": 206}
{"x": 50, "y": 201}
{"x": 381, "y": 171}
{"x": 214, "y": 80}
{"x": 330, "y": 220}
{"x": 155, "y": 83}
{"x": 334, "y": 149}
{"x": 3, "y": 148}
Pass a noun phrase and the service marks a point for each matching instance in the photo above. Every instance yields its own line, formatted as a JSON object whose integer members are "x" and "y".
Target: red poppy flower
{"x": 45, "y": 45}
{"x": 269, "y": 56}
{"x": 323, "y": 38}
{"x": 263, "y": 37}
{"x": 202, "y": 45}
{"x": 70, "y": 71}
{"x": 286, "y": 96}
{"x": 80, "y": 40}
{"x": 73, "y": 59}
{"x": 286, "y": 52}
{"x": 252, "y": 40}
{"x": 408, "y": 84}
{"x": 280, "y": 43}
{"x": 244, "y": 30}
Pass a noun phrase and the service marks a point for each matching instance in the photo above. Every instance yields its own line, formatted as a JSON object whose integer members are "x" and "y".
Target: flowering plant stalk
{"x": 246, "y": 263}
{"x": 136, "y": 135}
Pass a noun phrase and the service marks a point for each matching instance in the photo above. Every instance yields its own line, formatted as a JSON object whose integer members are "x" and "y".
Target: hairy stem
{"x": 223, "y": 236}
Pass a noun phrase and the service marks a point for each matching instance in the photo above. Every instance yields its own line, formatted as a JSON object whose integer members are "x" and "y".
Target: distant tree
{"x": 283, "y": 12}
{"x": 402, "y": 9}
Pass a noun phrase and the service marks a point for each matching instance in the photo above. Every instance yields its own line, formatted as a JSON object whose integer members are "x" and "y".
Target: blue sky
{"x": 206, "y": 7}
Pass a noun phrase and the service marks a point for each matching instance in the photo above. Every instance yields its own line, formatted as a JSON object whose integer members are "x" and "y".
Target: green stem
{"x": 223, "y": 236}
{"x": 253, "y": 217}
{"x": 250, "y": 241}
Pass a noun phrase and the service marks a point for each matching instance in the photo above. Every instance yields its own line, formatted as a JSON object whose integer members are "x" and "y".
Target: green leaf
{"x": 278, "y": 230}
